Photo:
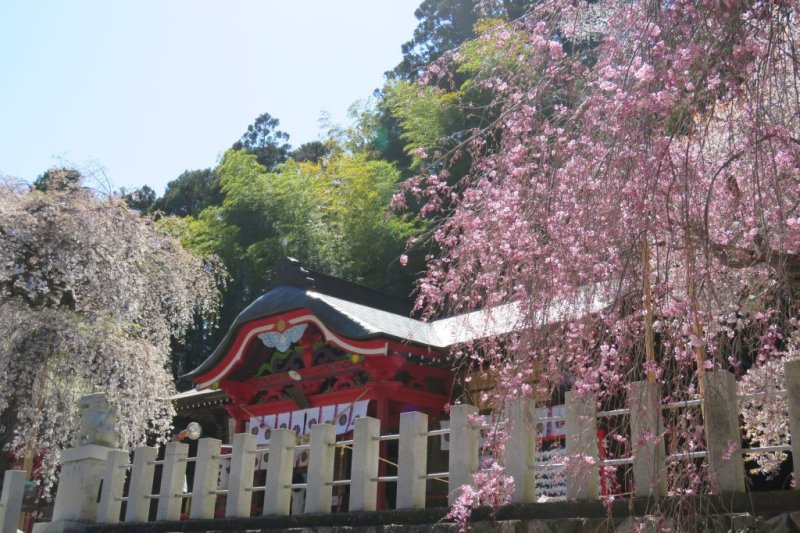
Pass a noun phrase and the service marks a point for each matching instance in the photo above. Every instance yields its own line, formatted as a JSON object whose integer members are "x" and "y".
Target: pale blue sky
{"x": 149, "y": 88}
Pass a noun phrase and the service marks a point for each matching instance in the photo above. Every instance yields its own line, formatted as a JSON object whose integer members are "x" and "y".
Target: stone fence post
{"x": 723, "y": 439}
{"x": 412, "y": 462}
{"x": 280, "y": 464}
{"x": 647, "y": 440}
{"x": 141, "y": 483}
{"x": 240, "y": 482}
{"x": 173, "y": 475}
{"x": 11, "y": 502}
{"x": 113, "y": 485}
{"x": 583, "y": 470}
{"x": 519, "y": 453}
{"x": 321, "y": 455}
{"x": 791, "y": 370}
{"x": 364, "y": 471}
{"x": 206, "y": 477}
{"x": 463, "y": 462}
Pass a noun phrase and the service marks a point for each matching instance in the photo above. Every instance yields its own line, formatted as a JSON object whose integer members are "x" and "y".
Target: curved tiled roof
{"x": 377, "y": 319}
{"x": 348, "y": 319}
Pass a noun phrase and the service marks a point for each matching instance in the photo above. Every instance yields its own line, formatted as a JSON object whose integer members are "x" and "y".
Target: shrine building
{"x": 319, "y": 344}
{"x": 317, "y": 348}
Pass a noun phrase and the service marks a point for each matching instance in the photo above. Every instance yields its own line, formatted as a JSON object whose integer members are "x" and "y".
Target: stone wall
{"x": 762, "y": 512}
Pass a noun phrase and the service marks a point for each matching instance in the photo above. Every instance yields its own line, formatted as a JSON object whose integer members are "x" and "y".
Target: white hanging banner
{"x": 359, "y": 410}
{"x": 328, "y": 414}
{"x": 283, "y": 420}
{"x": 269, "y": 423}
{"x": 342, "y": 416}
{"x": 297, "y": 421}
{"x": 343, "y": 413}
{"x": 261, "y": 460}
{"x": 300, "y": 458}
{"x": 346, "y": 413}
{"x": 312, "y": 418}
{"x": 445, "y": 442}
{"x": 254, "y": 427}
{"x": 261, "y": 427}
{"x": 224, "y": 472}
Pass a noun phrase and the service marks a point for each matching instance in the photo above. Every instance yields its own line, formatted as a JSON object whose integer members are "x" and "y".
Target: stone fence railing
{"x": 92, "y": 470}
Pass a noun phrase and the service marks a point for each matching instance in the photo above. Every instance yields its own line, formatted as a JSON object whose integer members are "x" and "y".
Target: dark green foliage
{"x": 193, "y": 191}
{"x": 264, "y": 140}
{"x": 141, "y": 199}
{"x": 444, "y": 25}
{"x": 310, "y": 152}
{"x": 413, "y": 117}
{"x": 388, "y": 143}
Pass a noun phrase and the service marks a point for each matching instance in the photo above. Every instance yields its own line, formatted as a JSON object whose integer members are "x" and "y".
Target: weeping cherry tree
{"x": 90, "y": 296}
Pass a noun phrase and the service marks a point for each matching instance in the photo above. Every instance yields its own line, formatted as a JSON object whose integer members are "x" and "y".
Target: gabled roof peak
{"x": 290, "y": 272}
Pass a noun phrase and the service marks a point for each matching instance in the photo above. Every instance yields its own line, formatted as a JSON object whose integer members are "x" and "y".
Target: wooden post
{"x": 113, "y": 485}
{"x": 364, "y": 471}
{"x": 647, "y": 440}
{"x": 791, "y": 371}
{"x": 11, "y": 501}
{"x": 140, "y": 487}
{"x": 173, "y": 474}
{"x": 206, "y": 477}
{"x": 691, "y": 288}
{"x": 412, "y": 463}
{"x": 463, "y": 462}
{"x": 519, "y": 454}
{"x": 583, "y": 478}
{"x": 649, "y": 336}
{"x": 240, "y": 481}
{"x": 723, "y": 439}
{"x": 319, "y": 494}
{"x": 280, "y": 464}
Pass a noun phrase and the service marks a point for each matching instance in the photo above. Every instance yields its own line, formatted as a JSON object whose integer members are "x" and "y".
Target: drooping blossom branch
{"x": 618, "y": 122}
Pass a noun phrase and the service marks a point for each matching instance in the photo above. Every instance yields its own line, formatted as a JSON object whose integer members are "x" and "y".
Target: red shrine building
{"x": 317, "y": 348}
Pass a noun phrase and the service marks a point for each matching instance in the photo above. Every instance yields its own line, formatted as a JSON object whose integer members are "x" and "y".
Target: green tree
{"x": 310, "y": 152}
{"x": 333, "y": 217}
{"x": 190, "y": 193}
{"x": 444, "y": 25}
{"x": 439, "y": 122}
{"x": 404, "y": 124}
{"x": 353, "y": 194}
{"x": 427, "y": 116}
{"x": 264, "y": 140}
{"x": 140, "y": 199}
{"x": 249, "y": 230}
